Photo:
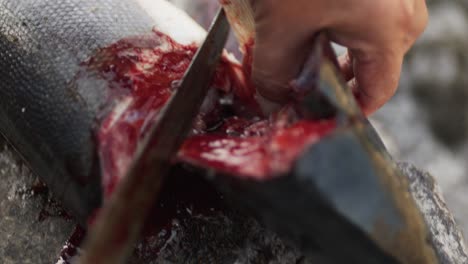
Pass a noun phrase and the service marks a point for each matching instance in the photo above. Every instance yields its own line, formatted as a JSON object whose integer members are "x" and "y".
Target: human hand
{"x": 377, "y": 34}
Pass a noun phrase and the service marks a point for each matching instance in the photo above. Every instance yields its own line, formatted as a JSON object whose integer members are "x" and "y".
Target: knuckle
{"x": 414, "y": 17}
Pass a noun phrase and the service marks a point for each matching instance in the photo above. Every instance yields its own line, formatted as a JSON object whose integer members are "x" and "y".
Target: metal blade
{"x": 120, "y": 222}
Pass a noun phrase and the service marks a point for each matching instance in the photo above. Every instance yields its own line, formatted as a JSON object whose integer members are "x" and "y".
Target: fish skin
{"x": 48, "y": 115}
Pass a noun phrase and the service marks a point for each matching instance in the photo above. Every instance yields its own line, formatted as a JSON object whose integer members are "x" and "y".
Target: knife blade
{"x": 120, "y": 222}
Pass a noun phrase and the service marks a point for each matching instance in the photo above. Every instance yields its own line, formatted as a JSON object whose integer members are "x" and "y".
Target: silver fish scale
{"x": 43, "y": 112}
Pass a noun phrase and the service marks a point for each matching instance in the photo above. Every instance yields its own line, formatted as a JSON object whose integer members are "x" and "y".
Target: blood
{"x": 259, "y": 151}
{"x": 49, "y": 207}
{"x": 143, "y": 73}
{"x": 141, "y": 79}
{"x": 147, "y": 71}
{"x": 71, "y": 249}
{"x": 230, "y": 134}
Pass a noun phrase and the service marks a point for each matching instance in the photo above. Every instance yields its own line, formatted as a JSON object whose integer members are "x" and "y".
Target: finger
{"x": 376, "y": 79}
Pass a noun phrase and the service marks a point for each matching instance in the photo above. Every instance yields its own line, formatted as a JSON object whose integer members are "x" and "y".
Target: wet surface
{"x": 32, "y": 227}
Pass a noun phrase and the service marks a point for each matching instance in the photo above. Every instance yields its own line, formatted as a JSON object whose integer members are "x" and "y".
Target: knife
{"x": 119, "y": 224}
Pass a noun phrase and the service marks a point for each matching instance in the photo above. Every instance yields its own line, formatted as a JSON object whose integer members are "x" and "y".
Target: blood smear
{"x": 230, "y": 134}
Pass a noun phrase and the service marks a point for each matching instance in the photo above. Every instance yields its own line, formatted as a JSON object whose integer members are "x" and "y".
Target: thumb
{"x": 278, "y": 56}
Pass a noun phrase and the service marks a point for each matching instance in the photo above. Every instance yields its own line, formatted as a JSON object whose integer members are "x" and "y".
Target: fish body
{"x": 48, "y": 115}
{"x": 81, "y": 81}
